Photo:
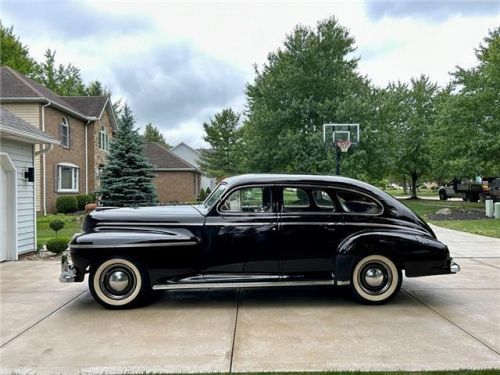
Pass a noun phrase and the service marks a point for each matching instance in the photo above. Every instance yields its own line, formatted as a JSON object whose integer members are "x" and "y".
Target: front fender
{"x": 87, "y": 248}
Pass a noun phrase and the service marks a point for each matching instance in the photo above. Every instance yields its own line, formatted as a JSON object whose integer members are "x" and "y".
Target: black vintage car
{"x": 258, "y": 231}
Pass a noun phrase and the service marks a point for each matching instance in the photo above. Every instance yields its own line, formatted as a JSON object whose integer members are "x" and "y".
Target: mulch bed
{"x": 460, "y": 215}
{"x": 41, "y": 255}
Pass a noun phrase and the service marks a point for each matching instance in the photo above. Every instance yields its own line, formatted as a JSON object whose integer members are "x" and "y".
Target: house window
{"x": 67, "y": 178}
{"x": 103, "y": 139}
{"x": 64, "y": 132}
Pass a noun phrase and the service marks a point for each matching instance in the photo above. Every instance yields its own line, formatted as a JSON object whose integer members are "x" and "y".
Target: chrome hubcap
{"x": 374, "y": 277}
{"x": 118, "y": 281}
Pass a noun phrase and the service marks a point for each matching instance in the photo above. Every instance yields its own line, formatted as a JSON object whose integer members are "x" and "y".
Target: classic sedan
{"x": 258, "y": 231}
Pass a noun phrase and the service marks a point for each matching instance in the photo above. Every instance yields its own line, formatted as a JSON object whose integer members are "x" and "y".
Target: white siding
{"x": 192, "y": 157}
{"x": 22, "y": 157}
{"x": 29, "y": 112}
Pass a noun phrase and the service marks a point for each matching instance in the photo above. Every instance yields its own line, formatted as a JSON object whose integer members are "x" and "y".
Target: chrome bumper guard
{"x": 454, "y": 267}
{"x": 68, "y": 272}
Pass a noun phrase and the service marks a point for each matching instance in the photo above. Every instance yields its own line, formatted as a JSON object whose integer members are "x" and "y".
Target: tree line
{"x": 409, "y": 131}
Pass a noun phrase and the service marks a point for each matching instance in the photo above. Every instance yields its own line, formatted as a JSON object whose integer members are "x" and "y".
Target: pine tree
{"x": 127, "y": 178}
{"x": 153, "y": 134}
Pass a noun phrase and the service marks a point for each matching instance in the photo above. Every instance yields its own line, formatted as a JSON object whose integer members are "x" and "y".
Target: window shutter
{"x": 56, "y": 177}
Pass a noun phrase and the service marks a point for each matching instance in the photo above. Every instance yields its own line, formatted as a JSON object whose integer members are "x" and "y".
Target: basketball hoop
{"x": 343, "y": 145}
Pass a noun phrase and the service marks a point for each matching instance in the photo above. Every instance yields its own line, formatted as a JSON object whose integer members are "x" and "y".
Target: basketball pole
{"x": 338, "y": 158}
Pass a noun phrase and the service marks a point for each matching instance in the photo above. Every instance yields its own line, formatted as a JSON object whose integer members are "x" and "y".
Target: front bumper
{"x": 68, "y": 271}
{"x": 454, "y": 267}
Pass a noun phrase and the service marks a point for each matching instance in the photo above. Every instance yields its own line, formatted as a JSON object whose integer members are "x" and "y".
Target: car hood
{"x": 141, "y": 215}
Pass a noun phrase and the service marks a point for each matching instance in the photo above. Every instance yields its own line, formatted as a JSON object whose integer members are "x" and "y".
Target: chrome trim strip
{"x": 312, "y": 223}
{"x": 128, "y": 223}
{"x": 128, "y": 245}
{"x": 385, "y": 226}
{"x": 239, "y": 224}
{"x": 342, "y": 283}
{"x": 259, "y": 284}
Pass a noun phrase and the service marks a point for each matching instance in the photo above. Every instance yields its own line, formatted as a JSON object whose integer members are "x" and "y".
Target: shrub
{"x": 57, "y": 245}
{"x": 83, "y": 199}
{"x": 56, "y": 225}
{"x": 208, "y": 191}
{"x": 202, "y": 195}
{"x": 65, "y": 204}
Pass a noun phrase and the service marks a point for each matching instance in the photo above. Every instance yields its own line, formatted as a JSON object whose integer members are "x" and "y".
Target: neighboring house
{"x": 192, "y": 156}
{"x": 83, "y": 125}
{"x": 175, "y": 179}
{"x": 17, "y": 190}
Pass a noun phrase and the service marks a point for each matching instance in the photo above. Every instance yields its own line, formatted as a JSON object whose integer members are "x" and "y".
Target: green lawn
{"x": 489, "y": 228}
{"x": 422, "y": 193}
{"x": 73, "y": 224}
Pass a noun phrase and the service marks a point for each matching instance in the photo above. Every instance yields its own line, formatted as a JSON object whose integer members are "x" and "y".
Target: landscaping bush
{"x": 83, "y": 199}
{"x": 57, "y": 245}
{"x": 65, "y": 204}
{"x": 56, "y": 225}
{"x": 202, "y": 196}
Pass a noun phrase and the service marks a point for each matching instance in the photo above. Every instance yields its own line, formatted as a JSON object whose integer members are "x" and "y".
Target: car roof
{"x": 263, "y": 178}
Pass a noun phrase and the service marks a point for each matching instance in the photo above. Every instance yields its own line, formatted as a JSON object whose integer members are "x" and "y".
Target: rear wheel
{"x": 442, "y": 195}
{"x": 118, "y": 283}
{"x": 376, "y": 279}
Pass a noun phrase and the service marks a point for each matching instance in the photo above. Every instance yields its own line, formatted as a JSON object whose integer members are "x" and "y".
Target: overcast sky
{"x": 177, "y": 64}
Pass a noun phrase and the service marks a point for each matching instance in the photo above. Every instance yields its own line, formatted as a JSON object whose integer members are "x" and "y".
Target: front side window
{"x": 67, "y": 178}
{"x": 64, "y": 132}
{"x": 249, "y": 200}
{"x": 353, "y": 202}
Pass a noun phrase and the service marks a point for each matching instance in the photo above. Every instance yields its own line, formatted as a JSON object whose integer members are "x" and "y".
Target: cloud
{"x": 174, "y": 84}
{"x": 432, "y": 10}
{"x": 71, "y": 19}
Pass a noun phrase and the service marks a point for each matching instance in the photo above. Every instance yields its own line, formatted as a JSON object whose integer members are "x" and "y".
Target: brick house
{"x": 83, "y": 125}
{"x": 175, "y": 179}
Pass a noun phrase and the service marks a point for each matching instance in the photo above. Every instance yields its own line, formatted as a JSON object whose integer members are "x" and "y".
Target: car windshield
{"x": 214, "y": 197}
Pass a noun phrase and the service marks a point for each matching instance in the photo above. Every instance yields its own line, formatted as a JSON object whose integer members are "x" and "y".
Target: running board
{"x": 250, "y": 284}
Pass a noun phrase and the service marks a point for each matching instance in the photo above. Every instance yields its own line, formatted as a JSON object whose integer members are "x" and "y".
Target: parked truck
{"x": 471, "y": 190}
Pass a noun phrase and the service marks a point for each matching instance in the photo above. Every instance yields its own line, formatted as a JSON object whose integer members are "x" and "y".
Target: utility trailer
{"x": 468, "y": 190}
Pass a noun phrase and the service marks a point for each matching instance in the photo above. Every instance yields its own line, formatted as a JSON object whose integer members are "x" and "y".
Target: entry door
{"x": 4, "y": 212}
{"x": 311, "y": 227}
{"x": 241, "y": 235}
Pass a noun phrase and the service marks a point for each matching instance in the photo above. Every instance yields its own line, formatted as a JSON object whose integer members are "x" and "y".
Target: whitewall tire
{"x": 376, "y": 279}
{"x": 117, "y": 283}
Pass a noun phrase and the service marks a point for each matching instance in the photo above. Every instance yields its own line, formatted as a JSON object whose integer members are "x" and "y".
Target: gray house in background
{"x": 17, "y": 179}
{"x": 192, "y": 156}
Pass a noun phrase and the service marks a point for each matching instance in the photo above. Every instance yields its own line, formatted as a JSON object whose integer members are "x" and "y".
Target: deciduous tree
{"x": 224, "y": 138}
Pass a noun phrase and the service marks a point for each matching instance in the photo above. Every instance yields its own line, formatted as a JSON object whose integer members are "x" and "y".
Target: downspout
{"x": 86, "y": 158}
{"x": 43, "y": 151}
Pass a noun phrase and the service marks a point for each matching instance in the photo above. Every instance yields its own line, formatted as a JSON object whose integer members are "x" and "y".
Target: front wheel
{"x": 375, "y": 279}
{"x": 117, "y": 283}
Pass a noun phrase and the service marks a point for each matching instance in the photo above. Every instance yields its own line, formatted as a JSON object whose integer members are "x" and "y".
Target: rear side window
{"x": 295, "y": 199}
{"x": 352, "y": 202}
{"x": 323, "y": 200}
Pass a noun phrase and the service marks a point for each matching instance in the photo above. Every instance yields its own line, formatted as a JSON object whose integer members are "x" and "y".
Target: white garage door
{"x": 4, "y": 200}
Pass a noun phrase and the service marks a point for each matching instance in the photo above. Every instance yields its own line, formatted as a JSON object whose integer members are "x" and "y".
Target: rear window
{"x": 357, "y": 203}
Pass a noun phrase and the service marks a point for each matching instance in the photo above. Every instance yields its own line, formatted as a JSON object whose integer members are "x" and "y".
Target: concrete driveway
{"x": 438, "y": 322}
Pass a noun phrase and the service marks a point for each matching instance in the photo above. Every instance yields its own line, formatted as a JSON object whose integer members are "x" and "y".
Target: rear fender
{"x": 398, "y": 245}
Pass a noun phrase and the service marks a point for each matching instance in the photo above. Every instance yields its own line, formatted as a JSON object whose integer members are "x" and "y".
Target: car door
{"x": 310, "y": 226}
{"x": 242, "y": 236}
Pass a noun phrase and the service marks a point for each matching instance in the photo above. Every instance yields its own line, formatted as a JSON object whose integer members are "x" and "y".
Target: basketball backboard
{"x": 341, "y": 132}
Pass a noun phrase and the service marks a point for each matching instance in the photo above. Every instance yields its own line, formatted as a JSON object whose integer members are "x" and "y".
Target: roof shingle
{"x": 161, "y": 158}
{"x": 10, "y": 121}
